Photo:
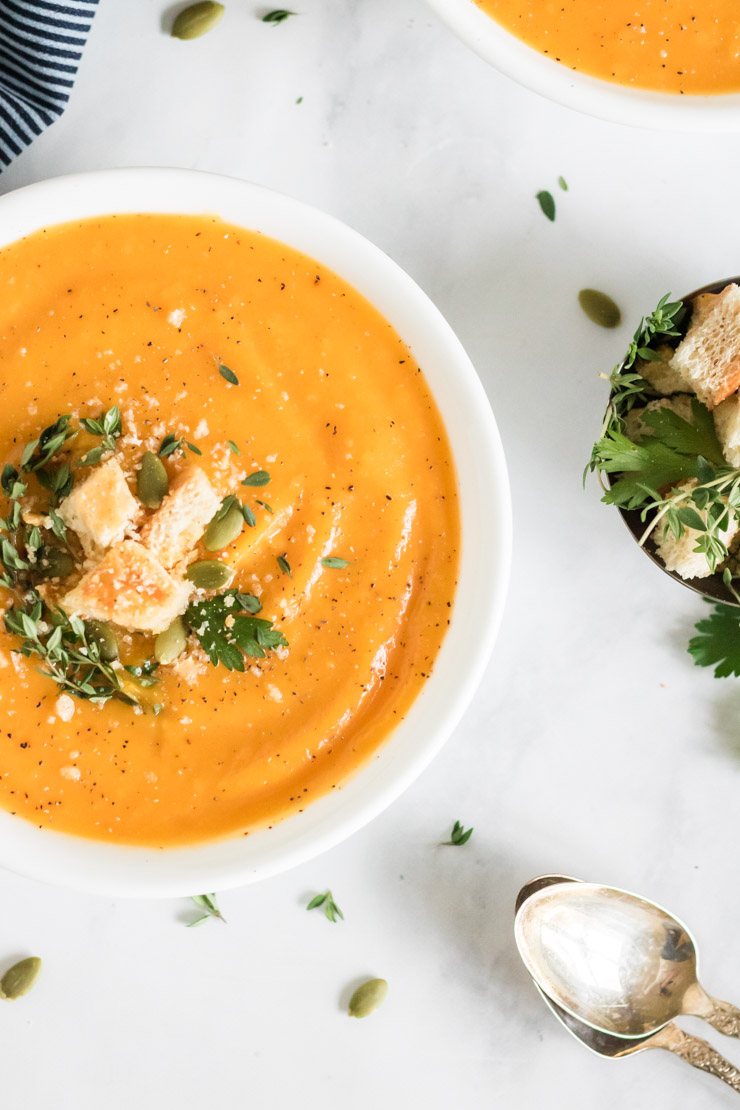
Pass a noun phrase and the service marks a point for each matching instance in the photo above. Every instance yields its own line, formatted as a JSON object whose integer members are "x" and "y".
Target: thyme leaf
{"x": 332, "y": 911}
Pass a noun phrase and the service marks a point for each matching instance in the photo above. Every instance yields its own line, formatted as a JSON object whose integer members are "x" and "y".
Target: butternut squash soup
{"x": 230, "y": 529}
{"x": 671, "y": 46}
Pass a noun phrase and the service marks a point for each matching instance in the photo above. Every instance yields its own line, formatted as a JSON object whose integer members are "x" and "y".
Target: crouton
{"x": 131, "y": 588}
{"x": 709, "y": 354}
{"x": 100, "y": 509}
{"x": 727, "y": 424}
{"x": 678, "y": 555}
{"x": 661, "y": 375}
{"x": 182, "y": 518}
{"x": 635, "y": 428}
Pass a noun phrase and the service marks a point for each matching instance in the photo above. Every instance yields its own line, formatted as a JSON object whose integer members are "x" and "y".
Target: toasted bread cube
{"x": 131, "y": 588}
{"x": 727, "y": 423}
{"x": 180, "y": 521}
{"x": 709, "y": 354}
{"x": 679, "y": 556}
{"x": 100, "y": 509}
{"x": 661, "y": 375}
{"x": 635, "y": 428}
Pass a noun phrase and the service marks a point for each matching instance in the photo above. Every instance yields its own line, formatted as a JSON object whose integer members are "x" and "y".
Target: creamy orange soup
{"x": 141, "y": 311}
{"x": 672, "y": 46}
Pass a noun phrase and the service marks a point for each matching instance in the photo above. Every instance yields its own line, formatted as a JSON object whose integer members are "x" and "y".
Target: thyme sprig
{"x": 458, "y": 836}
{"x": 207, "y": 903}
{"x": 332, "y": 911}
{"x": 108, "y": 427}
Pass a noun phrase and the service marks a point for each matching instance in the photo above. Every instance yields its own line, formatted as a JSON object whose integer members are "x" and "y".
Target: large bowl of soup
{"x": 255, "y": 532}
{"x": 668, "y": 64}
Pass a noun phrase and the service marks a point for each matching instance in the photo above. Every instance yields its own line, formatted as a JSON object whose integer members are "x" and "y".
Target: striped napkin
{"x": 41, "y": 45}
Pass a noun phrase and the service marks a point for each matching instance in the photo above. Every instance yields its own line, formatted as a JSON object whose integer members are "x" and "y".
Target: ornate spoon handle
{"x": 724, "y": 1017}
{"x": 698, "y": 1053}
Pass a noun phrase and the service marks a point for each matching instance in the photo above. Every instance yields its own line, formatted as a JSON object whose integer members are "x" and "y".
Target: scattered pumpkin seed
{"x": 151, "y": 482}
{"x": 197, "y": 20}
{"x": 209, "y": 574}
{"x": 600, "y": 308}
{"x": 220, "y": 533}
{"x": 55, "y": 563}
{"x": 170, "y": 643}
{"x": 367, "y": 998}
{"x": 19, "y": 978}
{"x": 103, "y": 635}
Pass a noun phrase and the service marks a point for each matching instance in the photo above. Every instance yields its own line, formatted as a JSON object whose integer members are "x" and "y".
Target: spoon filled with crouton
{"x": 669, "y": 452}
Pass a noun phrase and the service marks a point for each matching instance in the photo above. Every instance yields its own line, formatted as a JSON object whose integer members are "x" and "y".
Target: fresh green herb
{"x": 229, "y": 375}
{"x": 563, "y": 184}
{"x": 675, "y": 450}
{"x": 207, "y": 903}
{"x": 333, "y": 562}
{"x": 144, "y": 672}
{"x": 277, "y": 16}
{"x": 331, "y": 909}
{"x": 108, "y": 427}
{"x": 284, "y": 565}
{"x": 171, "y": 444}
{"x": 233, "y": 448}
{"x": 718, "y": 642}
{"x": 265, "y": 506}
{"x": 299, "y": 100}
{"x": 547, "y": 203}
{"x": 228, "y": 636}
{"x": 69, "y": 653}
{"x": 259, "y": 478}
{"x": 458, "y": 836}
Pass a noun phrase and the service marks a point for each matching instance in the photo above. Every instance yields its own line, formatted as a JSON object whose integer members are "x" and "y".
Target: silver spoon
{"x": 614, "y": 960}
{"x": 695, "y": 1051}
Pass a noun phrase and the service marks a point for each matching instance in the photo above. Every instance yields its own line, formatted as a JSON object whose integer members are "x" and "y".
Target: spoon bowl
{"x": 621, "y": 964}
{"x": 695, "y": 1051}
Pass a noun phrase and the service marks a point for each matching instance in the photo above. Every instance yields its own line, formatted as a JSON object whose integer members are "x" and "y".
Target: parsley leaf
{"x": 718, "y": 642}
{"x": 228, "y": 636}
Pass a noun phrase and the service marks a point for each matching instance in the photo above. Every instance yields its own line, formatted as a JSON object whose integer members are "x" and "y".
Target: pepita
{"x": 151, "y": 482}
{"x": 600, "y": 308}
{"x": 367, "y": 998}
{"x": 197, "y": 20}
{"x": 103, "y": 635}
{"x": 171, "y": 643}
{"x": 19, "y": 978}
{"x": 209, "y": 574}
{"x": 220, "y": 533}
{"x": 55, "y": 563}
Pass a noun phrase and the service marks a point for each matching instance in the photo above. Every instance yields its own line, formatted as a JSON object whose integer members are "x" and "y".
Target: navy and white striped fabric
{"x": 41, "y": 45}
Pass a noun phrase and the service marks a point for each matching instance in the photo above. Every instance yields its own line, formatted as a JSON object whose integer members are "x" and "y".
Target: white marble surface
{"x": 594, "y": 747}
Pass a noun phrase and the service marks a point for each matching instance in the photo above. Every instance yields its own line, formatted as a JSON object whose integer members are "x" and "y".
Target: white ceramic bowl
{"x": 485, "y": 550}
{"x": 577, "y": 90}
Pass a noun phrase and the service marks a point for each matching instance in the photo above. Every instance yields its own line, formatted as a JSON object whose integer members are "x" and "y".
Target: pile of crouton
{"x": 135, "y": 567}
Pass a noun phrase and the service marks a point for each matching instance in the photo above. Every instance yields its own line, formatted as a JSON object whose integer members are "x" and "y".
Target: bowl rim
{"x": 591, "y": 96}
{"x": 485, "y": 557}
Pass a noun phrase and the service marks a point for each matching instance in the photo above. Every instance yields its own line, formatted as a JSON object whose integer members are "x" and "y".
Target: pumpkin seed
{"x": 19, "y": 978}
{"x": 55, "y": 563}
{"x": 103, "y": 635}
{"x": 197, "y": 20}
{"x": 220, "y": 533}
{"x": 208, "y": 574}
{"x": 170, "y": 643}
{"x": 151, "y": 481}
{"x": 367, "y": 998}
{"x": 600, "y": 308}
